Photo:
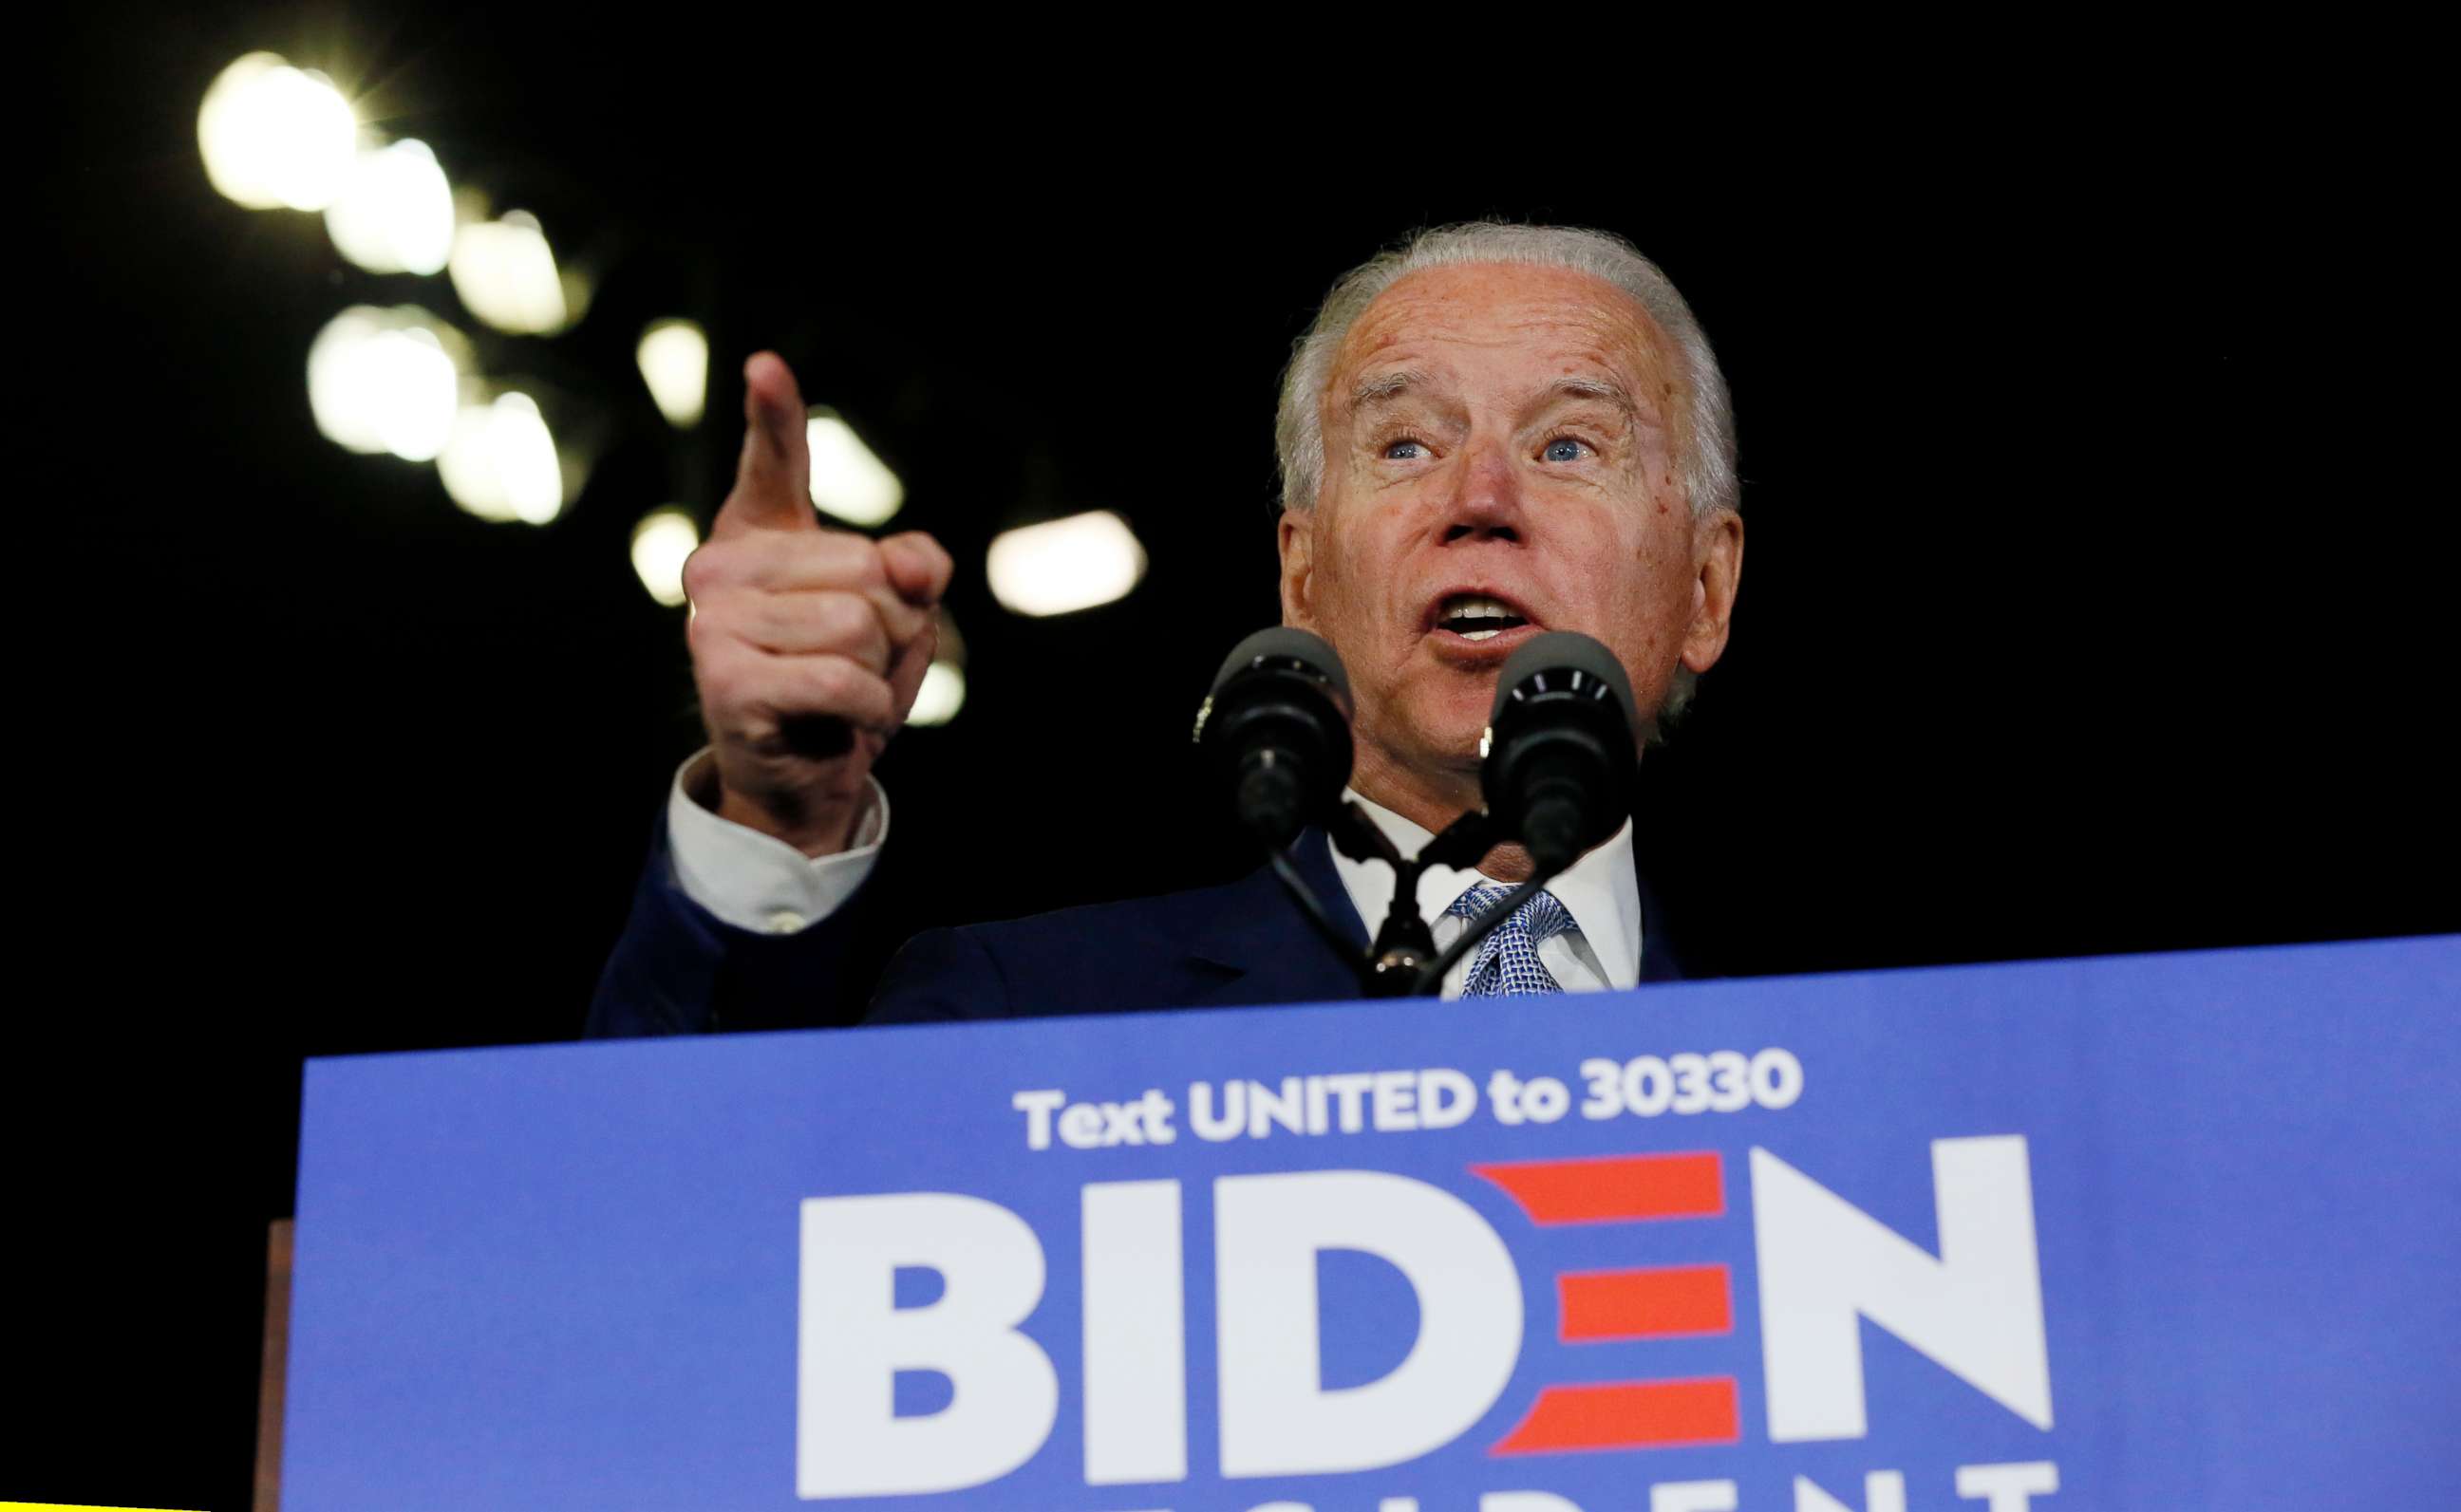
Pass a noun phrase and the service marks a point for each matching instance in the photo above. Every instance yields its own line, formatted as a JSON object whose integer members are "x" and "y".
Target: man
{"x": 1492, "y": 431}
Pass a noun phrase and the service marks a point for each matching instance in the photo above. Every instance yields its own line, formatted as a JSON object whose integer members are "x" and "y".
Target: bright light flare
{"x": 274, "y": 135}
{"x": 942, "y": 694}
{"x": 501, "y": 463}
{"x": 507, "y": 276}
{"x": 674, "y": 356}
{"x": 660, "y": 543}
{"x": 394, "y": 212}
{"x": 847, "y": 480}
{"x": 385, "y": 380}
{"x": 1062, "y": 566}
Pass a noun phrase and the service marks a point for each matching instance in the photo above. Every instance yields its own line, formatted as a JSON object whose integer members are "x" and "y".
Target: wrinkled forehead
{"x": 1500, "y": 323}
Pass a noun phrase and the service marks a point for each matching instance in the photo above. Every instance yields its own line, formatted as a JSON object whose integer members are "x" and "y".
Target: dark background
{"x": 2095, "y": 595}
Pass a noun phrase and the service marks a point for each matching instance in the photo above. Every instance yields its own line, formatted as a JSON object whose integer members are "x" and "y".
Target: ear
{"x": 1297, "y": 541}
{"x": 1718, "y": 569}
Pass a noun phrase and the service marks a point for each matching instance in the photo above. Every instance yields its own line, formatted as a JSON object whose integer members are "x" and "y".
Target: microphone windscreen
{"x": 1295, "y": 644}
{"x": 1563, "y": 651}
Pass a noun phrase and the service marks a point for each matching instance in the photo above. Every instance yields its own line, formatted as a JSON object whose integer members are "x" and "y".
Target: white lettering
{"x": 2010, "y": 1488}
{"x": 1158, "y": 1111}
{"x": 1124, "y": 1123}
{"x": 1393, "y": 1094}
{"x": 1349, "y": 1089}
{"x": 1277, "y": 1416}
{"x": 1081, "y": 1126}
{"x": 1200, "y": 1111}
{"x": 1446, "y": 1099}
{"x": 1777, "y": 1079}
{"x": 1883, "y": 1491}
{"x": 1348, "y": 1101}
{"x": 1544, "y": 1099}
{"x": 1136, "y": 1335}
{"x": 1504, "y": 1096}
{"x": 1824, "y": 1263}
{"x": 1265, "y": 1109}
{"x": 852, "y": 1339}
{"x": 1038, "y": 1106}
{"x": 1730, "y": 1089}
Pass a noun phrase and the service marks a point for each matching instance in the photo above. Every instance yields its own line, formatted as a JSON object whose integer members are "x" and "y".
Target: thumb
{"x": 773, "y": 477}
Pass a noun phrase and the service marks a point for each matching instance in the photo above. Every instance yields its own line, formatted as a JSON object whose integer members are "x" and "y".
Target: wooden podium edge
{"x": 275, "y": 1365}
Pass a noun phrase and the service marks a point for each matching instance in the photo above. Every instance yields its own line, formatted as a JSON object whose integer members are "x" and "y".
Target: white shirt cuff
{"x": 757, "y": 881}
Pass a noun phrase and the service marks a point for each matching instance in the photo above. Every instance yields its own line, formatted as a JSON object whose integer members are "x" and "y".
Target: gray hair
{"x": 1706, "y": 429}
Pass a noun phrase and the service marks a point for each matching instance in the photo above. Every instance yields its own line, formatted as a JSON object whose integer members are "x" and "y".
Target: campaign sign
{"x": 2160, "y": 1232}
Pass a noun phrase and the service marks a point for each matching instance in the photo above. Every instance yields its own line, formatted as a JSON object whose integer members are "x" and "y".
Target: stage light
{"x": 675, "y": 363}
{"x": 395, "y": 213}
{"x": 506, "y": 275}
{"x": 385, "y": 380}
{"x": 942, "y": 694}
{"x": 847, "y": 480}
{"x": 660, "y": 543}
{"x": 272, "y": 135}
{"x": 501, "y": 463}
{"x": 1061, "y": 565}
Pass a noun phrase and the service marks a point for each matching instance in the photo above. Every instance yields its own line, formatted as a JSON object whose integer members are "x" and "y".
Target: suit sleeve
{"x": 942, "y": 976}
{"x": 680, "y": 969}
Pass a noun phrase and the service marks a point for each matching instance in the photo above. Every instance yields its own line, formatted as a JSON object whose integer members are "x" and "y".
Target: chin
{"x": 1433, "y": 722}
{"x": 1449, "y": 738}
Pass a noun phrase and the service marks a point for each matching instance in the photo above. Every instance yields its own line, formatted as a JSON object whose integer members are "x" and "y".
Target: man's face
{"x": 1499, "y": 438}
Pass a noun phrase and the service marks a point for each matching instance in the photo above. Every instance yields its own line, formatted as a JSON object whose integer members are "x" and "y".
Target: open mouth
{"x": 1478, "y": 616}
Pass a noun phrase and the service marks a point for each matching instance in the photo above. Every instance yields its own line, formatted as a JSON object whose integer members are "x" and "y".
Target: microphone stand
{"x": 1404, "y": 961}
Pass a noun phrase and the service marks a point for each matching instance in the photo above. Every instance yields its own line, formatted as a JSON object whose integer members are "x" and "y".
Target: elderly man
{"x": 1494, "y": 431}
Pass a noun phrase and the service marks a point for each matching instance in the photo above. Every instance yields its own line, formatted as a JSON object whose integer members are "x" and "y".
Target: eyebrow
{"x": 1385, "y": 386}
{"x": 1607, "y": 389}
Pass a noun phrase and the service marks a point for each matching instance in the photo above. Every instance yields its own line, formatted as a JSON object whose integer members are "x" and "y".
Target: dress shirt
{"x": 1601, "y": 951}
{"x": 759, "y": 883}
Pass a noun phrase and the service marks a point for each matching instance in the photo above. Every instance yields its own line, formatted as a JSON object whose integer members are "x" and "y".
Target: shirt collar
{"x": 1601, "y": 891}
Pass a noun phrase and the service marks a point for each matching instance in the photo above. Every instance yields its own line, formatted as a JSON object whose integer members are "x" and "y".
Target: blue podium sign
{"x": 2153, "y": 1232}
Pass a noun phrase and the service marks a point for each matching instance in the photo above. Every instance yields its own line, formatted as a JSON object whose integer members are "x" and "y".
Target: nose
{"x": 1485, "y": 502}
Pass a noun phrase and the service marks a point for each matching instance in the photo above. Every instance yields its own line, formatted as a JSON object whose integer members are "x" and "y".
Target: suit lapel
{"x": 1658, "y": 962}
{"x": 1258, "y": 948}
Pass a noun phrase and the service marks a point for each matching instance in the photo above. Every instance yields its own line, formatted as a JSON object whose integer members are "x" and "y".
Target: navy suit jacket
{"x": 679, "y": 969}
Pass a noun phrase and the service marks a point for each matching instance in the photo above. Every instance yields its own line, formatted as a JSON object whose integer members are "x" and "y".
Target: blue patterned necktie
{"x": 1508, "y": 958}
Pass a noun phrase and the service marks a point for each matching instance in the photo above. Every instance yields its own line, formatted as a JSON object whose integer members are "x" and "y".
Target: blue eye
{"x": 1562, "y": 449}
{"x": 1393, "y": 453}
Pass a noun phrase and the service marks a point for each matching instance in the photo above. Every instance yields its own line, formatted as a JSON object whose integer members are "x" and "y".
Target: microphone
{"x": 1560, "y": 761}
{"x": 1276, "y": 730}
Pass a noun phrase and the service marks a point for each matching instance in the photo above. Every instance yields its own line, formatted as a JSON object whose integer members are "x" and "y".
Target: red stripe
{"x": 1613, "y": 1188}
{"x": 1642, "y": 1304}
{"x": 1628, "y": 1414}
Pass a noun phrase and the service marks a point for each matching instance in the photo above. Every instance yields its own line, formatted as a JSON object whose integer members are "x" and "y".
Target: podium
{"x": 2150, "y": 1232}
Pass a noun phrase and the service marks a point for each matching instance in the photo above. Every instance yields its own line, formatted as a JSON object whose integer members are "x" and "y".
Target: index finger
{"x": 773, "y": 477}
